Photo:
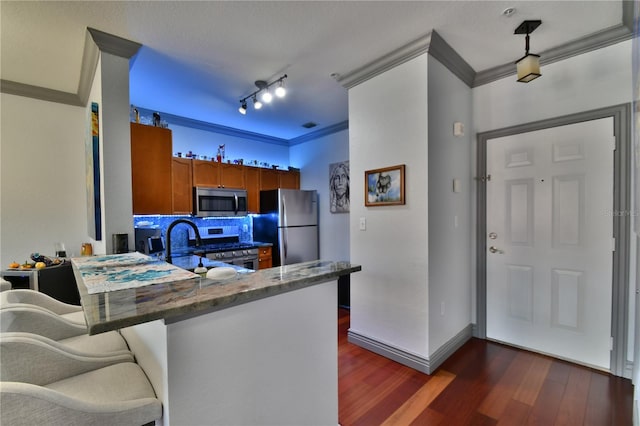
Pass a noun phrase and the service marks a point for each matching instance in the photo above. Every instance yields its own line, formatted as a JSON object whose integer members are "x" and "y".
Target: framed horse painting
{"x": 384, "y": 187}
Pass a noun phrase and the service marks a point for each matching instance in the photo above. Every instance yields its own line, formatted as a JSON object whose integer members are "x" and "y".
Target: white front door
{"x": 549, "y": 241}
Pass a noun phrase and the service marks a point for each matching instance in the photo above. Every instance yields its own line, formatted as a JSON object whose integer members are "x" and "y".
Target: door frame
{"x": 621, "y": 222}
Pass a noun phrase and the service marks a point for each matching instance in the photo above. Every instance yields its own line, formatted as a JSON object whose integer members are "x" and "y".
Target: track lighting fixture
{"x": 265, "y": 94}
{"x": 528, "y": 66}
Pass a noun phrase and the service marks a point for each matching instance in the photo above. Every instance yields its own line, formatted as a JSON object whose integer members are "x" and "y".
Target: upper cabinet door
{"x": 206, "y": 173}
{"x": 150, "y": 169}
{"x": 252, "y": 179}
{"x": 269, "y": 179}
{"x": 290, "y": 179}
{"x": 232, "y": 176}
{"x": 182, "y": 186}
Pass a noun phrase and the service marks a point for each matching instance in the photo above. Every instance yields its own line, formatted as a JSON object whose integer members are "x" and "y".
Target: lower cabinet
{"x": 264, "y": 258}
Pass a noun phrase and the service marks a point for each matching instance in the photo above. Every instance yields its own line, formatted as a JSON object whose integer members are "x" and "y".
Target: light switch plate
{"x": 458, "y": 129}
{"x": 363, "y": 223}
{"x": 457, "y": 186}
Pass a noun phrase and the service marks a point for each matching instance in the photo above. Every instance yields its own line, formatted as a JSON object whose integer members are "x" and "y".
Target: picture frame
{"x": 384, "y": 187}
{"x": 93, "y": 173}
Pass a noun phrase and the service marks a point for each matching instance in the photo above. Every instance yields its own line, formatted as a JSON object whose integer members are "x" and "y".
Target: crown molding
{"x": 445, "y": 54}
{"x": 41, "y": 93}
{"x": 95, "y": 42}
{"x": 325, "y": 131}
{"x": 90, "y": 58}
{"x": 384, "y": 63}
{"x": 114, "y": 45}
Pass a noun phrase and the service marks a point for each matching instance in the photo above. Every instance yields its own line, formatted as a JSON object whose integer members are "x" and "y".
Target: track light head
{"x": 280, "y": 90}
{"x": 243, "y": 107}
{"x": 256, "y": 103}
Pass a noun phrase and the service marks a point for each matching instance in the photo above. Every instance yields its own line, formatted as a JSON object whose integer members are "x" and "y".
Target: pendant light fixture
{"x": 265, "y": 94}
{"x": 528, "y": 66}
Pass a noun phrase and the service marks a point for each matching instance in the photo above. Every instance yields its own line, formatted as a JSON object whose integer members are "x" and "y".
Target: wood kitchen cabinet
{"x": 182, "y": 185}
{"x": 218, "y": 175}
{"x": 151, "y": 169}
{"x": 252, "y": 182}
{"x": 258, "y": 179}
{"x": 232, "y": 176}
{"x": 269, "y": 179}
{"x": 289, "y": 179}
{"x": 274, "y": 179}
{"x": 265, "y": 259}
{"x": 206, "y": 173}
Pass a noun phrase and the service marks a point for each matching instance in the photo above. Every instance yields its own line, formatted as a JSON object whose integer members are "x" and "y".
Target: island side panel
{"x": 271, "y": 361}
{"x": 148, "y": 341}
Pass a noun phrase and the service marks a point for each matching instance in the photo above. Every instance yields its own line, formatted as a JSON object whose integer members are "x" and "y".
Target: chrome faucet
{"x": 170, "y": 228}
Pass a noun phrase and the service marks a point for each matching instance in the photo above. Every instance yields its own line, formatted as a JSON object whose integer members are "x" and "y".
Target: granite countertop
{"x": 180, "y": 300}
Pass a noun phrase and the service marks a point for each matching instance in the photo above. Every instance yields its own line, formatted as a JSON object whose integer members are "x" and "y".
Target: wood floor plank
{"x": 365, "y": 397}
{"x": 496, "y": 401}
{"x": 516, "y": 413}
{"x": 532, "y": 381}
{"x": 428, "y": 417}
{"x": 394, "y": 400}
{"x": 545, "y": 409}
{"x": 574, "y": 401}
{"x": 420, "y": 400}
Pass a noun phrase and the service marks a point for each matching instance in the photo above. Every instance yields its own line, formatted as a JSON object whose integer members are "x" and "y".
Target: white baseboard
{"x": 417, "y": 362}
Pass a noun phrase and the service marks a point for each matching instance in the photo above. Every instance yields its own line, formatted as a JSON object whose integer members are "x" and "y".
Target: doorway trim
{"x": 621, "y": 211}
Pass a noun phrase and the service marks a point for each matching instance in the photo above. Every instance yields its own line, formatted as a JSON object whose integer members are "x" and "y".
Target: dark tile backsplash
{"x": 179, "y": 235}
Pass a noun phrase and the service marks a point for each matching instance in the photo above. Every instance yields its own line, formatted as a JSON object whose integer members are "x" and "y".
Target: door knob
{"x": 494, "y": 249}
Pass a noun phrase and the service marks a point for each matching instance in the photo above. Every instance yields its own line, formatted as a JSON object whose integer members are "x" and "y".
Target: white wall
{"x": 450, "y": 230}
{"x": 581, "y": 83}
{"x": 202, "y": 142}
{"x": 313, "y": 159}
{"x": 116, "y": 148}
{"x": 387, "y": 127}
{"x": 42, "y": 168}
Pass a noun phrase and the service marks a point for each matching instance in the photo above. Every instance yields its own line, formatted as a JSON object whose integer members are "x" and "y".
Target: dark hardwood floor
{"x": 483, "y": 383}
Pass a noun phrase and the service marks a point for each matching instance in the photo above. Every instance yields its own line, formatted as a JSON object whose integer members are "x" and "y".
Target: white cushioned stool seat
{"x": 44, "y": 383}
{"x": 11, "y": 298}
{"x": 4, "y": 285}
{"x": 31, "y": 319}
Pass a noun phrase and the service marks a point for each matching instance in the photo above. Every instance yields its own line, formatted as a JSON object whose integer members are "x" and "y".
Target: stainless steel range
{"x": 223, "y": 243}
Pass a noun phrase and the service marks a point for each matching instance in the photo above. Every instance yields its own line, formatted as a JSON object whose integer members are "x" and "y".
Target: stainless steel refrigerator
{"x": 289, "y": 220}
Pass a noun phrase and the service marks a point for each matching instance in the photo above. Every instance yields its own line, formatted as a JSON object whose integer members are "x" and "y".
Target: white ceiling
{"x": 199, "y": 58}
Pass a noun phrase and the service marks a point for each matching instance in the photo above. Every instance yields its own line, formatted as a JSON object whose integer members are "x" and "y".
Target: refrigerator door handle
{"x": 284, "y": 213}
{"x": 284, "y": 244}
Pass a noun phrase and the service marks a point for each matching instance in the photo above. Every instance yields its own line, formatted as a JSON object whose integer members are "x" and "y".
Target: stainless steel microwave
{"x": 219, "y": 202}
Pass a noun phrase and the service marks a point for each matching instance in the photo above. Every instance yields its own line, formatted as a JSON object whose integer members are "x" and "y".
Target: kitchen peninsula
{"x": 254, "y": 348}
